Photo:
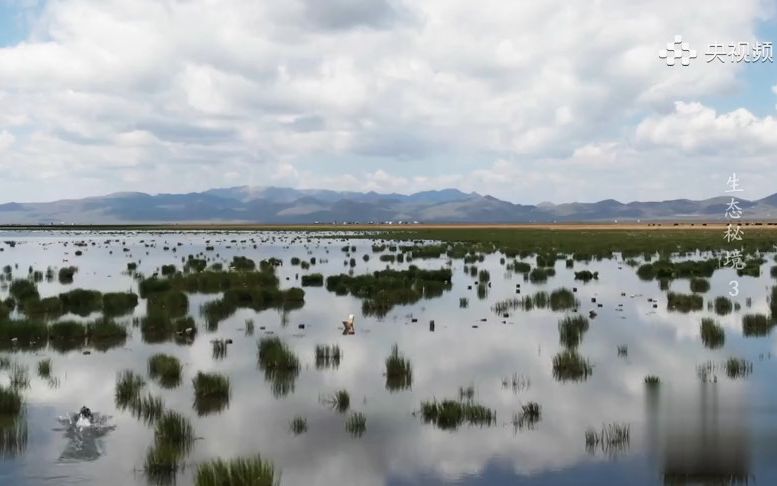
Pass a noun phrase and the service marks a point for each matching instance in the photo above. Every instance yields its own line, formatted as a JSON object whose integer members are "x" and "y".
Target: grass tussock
{"x": 712, "y": 334}
{"x": 250, "y": 471}
{"x": 165, "y": 369}
{"x": 10, "y": 401}
{"x": 684, "y": 302}
{"x": 211, "y": 392}
{"x": 328, "y": 356}
{"x": 450, "y": 414}
{"x": 756, "y": 325}
{"x": 568, "y": 365}
{"x": 128, "y": 387}
{"x": 356, "y": 424}
{"x": 399, "y": 372}
{"x": 281, "y": 366}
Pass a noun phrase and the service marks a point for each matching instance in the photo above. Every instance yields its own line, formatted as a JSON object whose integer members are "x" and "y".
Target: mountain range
{"x": 280, "y": 205}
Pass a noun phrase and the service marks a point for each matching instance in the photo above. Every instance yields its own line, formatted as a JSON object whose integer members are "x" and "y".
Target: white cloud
{"x": 209, "y": 89}
{"x": 693, "y": 127}
{"x": 6, "y": 140}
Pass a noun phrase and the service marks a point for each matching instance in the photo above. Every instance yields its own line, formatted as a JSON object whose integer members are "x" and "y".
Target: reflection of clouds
{"x": 396, "y": 443}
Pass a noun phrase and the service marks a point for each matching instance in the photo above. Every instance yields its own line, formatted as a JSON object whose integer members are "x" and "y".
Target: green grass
{"x": 44, "y": 368}
{"x": 450, "y": 414}
{"x": 327, "y": 356}
{"x": 65, "y": 275}
{"x": 81, "y": 302}
{"x": 46, "y": 308}
{"x": 652, "y": 380}
{"x": 28, "y": 333}
{"x": 66, "y": 335}
{"x": 119, "y": 303}
{"x": 756, "y": 325}
{"x": 356, "y": 424}
{"x": 738, "y": 368}
{"x": 700, "y": 285}
{"x": 586, "y": 275}
{"x": 399, "y": 372}
{"x": 341, "y": 401}
{"x": 105, "y": 334}
{"x": 298, "y": 425}
{"x": 174, "y": 428}
{"x": 312, "y": 280}
{"x": 684, "y": 302}
{"x": 147, "y": 408}
{"x": 563, "y": 299}
{"x": 571, "y": 330}
{"x": 250, "y": 471}
{"x": 173, "y": 438}
{"x": 10, "y": 401}
{"x": 165, "y": 369}
{"x": 568, "y": 365}
{"x": 723, "y": 305}
{"x": 382, "y": 290}
{"x": 712, "y": 334}
{"x": 13, "y": 435}
{"x": 23, "y": 290}
{"x": 211, "y": 392}
{"x": 611, "y": 438}
{"x": 172, "y": 303}
{"x": 280, "y": 365}
{"x": 128, "y": 387}
{"x": 20, "y": 376}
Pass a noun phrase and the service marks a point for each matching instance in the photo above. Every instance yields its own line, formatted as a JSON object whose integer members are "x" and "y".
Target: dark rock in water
{"x": 623, "y": 294}
{"x": 469, "y": 287}
{"x": 301, "y": 326}
{"x": 517, "y": 291}
{"x": 483, "y": 319}
{"x": 431, "y": 326}
{"x": 593, "y": 299}
{"x": 261, "y": 328}
{"x": 655, "y": 306}
{"x": 87, "y": 352}
{"x": 414, "y": 319}
{"x": 574, "y": 289}
{"x": 474, "y": 326}
{"x": 505, "y": 315}
{"x": 599, "y": 305}
{"x": 229, "y": 341}
{"x": 591, "y": 314}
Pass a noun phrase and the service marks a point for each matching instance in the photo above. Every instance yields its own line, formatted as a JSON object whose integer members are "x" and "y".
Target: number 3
{"x": 734, "y": 288}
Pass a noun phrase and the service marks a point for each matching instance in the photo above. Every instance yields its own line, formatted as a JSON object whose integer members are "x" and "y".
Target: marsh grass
{"x": 356, "y": 424}
{"x": 312, "y": 280}
{"x": 684, "y": 302}
{"x": 700, "y": 285}
{"x": 165, "y": 369}
{"x": 327, "y": 356}
{"x": 20, "y": 376}
{"x": 571, "y": 330}
{"x": 211, "y": 393}
{"x": 81, "y": 302}
{"x": 738, "y": 368}
{"x": 568, "y": 365}
{"x": 128, "y": 387}
{"x": 611, "y": 438}
{"x": 450, "y": 414}
{"x": 10, "y": 401}
{"x": 146, "y": 408}
{"x": 652, "y": 380}
{"x": 251, "y": 471}
{"x": 118, "y": 303}
{"x": 340, "y": 401}
{"x": 298, "y": 425}
{"x": 585, "y": 275}
{"x": 219, "y": 349}
{"x": 44, "y": 368}
{"x": 723, "y": 305}
{"x": 280, "y": 365}
{"x": 173, "y": 438}
{"x": 528, "y": 417}
{"x": 13, "y": 435}
{"x": 104, "y": 334}
{"x": 712, "y": 334}
{"x": 399, "y": 372}
{"x": 756, "y": 325}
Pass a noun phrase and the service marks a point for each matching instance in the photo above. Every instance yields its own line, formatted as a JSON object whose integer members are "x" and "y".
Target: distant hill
{"x": 285, "y": 205}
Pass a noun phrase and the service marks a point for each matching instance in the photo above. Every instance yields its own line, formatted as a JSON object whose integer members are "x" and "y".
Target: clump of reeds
{"x": 13, "y": 435}
{"x": 586, "y": 275}
{"x": 280, "y": 364}
{"x": 528, "y": 417}
{"x": 165, "y": 369}
{"x": 463, "y": 302}
{"x": 173, "y": 438}
{"x": 44, "y": 368}
{"x": 249, "y": 330}
{"x": 755, "y": 325}
{"x": 712, "y": 334}
{"x": 147, "y": 408}
{"x": 738, "y": 368}
{"x": 652, "y": 380}
{"x": 211, "y": 392}
{"x": 571, "y": 330}
{"x": 568, "y": 365}
{"x": 10, "y": 400}
{"x": 399, "y": 372}
{"x": 450, "y": 414}
{"x": 119, "y": 303}
{"x": 20, "y": 376}
{"x": 684, "y": 302}
{"x": 81, "y": 302}
{"x": 251, "y": 471}
{"x": 611, "y": 438}
{"x": 328, "y": 356}
{"x": 723, "y": 305}
{"x": 128, "y": 386}
{"x": 312, "y": 280}
{"x": 340, "y": 401}
{"x": 700, "y": 285}
{"x": 356, "y": 424}
{"x": 298, "y": 425}
{"x": 219, "y": 348}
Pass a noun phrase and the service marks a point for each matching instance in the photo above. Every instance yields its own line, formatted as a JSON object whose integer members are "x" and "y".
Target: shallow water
{"x": 683, "y": 428}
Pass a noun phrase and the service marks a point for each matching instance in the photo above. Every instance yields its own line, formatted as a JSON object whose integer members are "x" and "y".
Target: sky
{"x": 531, "y": 101}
